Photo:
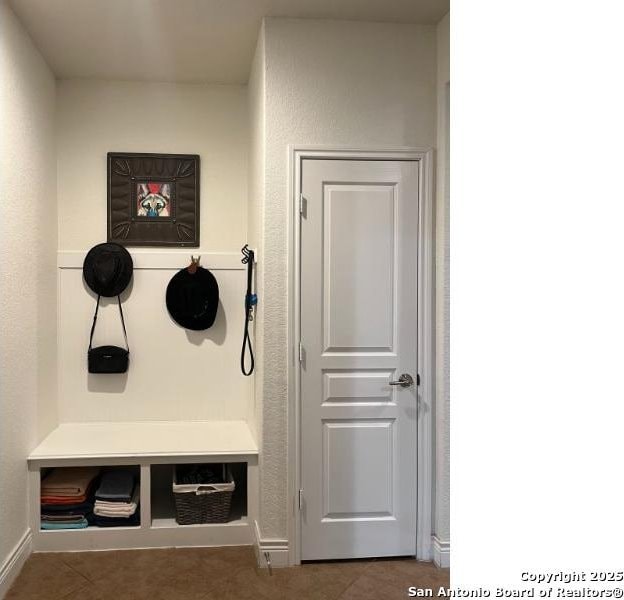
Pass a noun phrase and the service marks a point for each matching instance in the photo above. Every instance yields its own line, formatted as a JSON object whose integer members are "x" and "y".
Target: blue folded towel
{"x": 80, "y": 525}
{"x": 116, "y": 486}
{"x": 133, "y": 521}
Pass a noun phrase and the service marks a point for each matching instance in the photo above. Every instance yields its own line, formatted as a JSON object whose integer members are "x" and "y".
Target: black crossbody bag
{"x": 108, "y": 359}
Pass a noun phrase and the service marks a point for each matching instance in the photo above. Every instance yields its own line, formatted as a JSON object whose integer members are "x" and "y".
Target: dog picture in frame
{"x": 153, "y": 199}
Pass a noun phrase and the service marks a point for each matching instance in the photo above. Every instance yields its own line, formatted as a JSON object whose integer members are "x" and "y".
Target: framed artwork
{"x": 153, "y": 199}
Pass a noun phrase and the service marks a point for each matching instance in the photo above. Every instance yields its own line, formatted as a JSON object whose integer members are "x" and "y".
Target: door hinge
{"x": 300, "y": 499}
{"x": 302, "y": 205}
{"x": 301, "y": 353}
{"x": 417, "y": 378}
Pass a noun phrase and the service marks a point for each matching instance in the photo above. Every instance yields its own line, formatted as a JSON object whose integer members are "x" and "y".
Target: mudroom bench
{"x": 153, "y": 449}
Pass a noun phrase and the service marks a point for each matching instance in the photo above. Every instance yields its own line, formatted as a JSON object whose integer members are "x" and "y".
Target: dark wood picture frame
{"x": 153, "y": 199}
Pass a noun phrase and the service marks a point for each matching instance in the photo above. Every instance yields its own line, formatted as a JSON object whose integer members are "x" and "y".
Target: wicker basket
{"x": 203, "y": 503}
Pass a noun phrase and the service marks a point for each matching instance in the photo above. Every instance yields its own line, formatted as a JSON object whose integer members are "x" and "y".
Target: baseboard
{"x": 273, "y": 550}
{"x": 14, "y": 562}
{"x": 441, "y": 552}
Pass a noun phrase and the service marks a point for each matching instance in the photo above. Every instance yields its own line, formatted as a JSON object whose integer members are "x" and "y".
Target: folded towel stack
{"x": 67, "y": 497}
{"x": 117, "y": 500}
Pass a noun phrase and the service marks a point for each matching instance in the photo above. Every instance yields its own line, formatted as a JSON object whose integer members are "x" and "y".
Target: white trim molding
{"x": 426, "y": 349}
{"x": 441, "y": 552}
{"x": 14, "y": 562}
{"x": 271, "y": 553}
{"x": 158, "y": 259}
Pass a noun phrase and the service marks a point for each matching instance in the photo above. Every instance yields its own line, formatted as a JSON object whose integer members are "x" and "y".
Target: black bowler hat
{"x": 107, "y": 269}
{"x": 193, "y": 298}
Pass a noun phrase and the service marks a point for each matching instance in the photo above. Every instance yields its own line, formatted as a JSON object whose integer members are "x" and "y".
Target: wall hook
{"x": 194, "y": 264}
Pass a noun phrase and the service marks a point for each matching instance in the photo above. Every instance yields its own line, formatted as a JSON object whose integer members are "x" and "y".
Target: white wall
{"x": 96, "y": 117}
{"x": 441, "y": 525}
{"x": 336, "y": 83}
{"x": 173, "y": 374}
{"x": 28, "y": 238}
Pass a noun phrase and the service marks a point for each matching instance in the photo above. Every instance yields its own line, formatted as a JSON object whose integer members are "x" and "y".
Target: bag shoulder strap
{"x": 97, "y": 306}
{"x": 123, "y": 323}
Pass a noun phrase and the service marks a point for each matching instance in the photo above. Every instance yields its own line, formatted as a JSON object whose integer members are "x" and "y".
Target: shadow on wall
{"x": 215, "y": 334}
{"x": 107, "y": 383}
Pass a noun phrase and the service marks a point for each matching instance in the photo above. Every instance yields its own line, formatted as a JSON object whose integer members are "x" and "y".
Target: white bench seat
{"x": 154, "y": 439}
{"x": 149, "y": 446}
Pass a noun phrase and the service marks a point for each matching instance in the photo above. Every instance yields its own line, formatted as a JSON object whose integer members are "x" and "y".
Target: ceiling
{"x": 182, "y": 40}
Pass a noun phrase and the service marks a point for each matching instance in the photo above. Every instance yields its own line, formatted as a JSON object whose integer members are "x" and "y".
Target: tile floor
{"x": 213, "y": 573}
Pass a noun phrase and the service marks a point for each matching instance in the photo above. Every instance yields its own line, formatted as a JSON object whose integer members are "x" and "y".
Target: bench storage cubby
{"x": 153, "y": 450}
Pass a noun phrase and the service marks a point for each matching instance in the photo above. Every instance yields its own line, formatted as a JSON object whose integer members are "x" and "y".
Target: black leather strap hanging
{"x": 250, "y": 301}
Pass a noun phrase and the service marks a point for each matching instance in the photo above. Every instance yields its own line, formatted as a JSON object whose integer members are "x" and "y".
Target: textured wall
{"x": 335, "y": 83}
{"x": 256, "y": 92}
{"x": 442, "y": 417}
{"x": 96, "y": 117}
{"x": 28, "y": 268}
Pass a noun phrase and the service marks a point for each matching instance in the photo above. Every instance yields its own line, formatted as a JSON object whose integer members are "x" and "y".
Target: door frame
{"x": 426, "y": 332}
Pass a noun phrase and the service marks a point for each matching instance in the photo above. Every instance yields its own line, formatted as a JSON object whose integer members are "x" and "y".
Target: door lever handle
{"x": 405, "y": 380}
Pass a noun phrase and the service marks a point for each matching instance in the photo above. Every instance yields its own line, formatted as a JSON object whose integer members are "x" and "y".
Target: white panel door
{"x": 359, "y": 254}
